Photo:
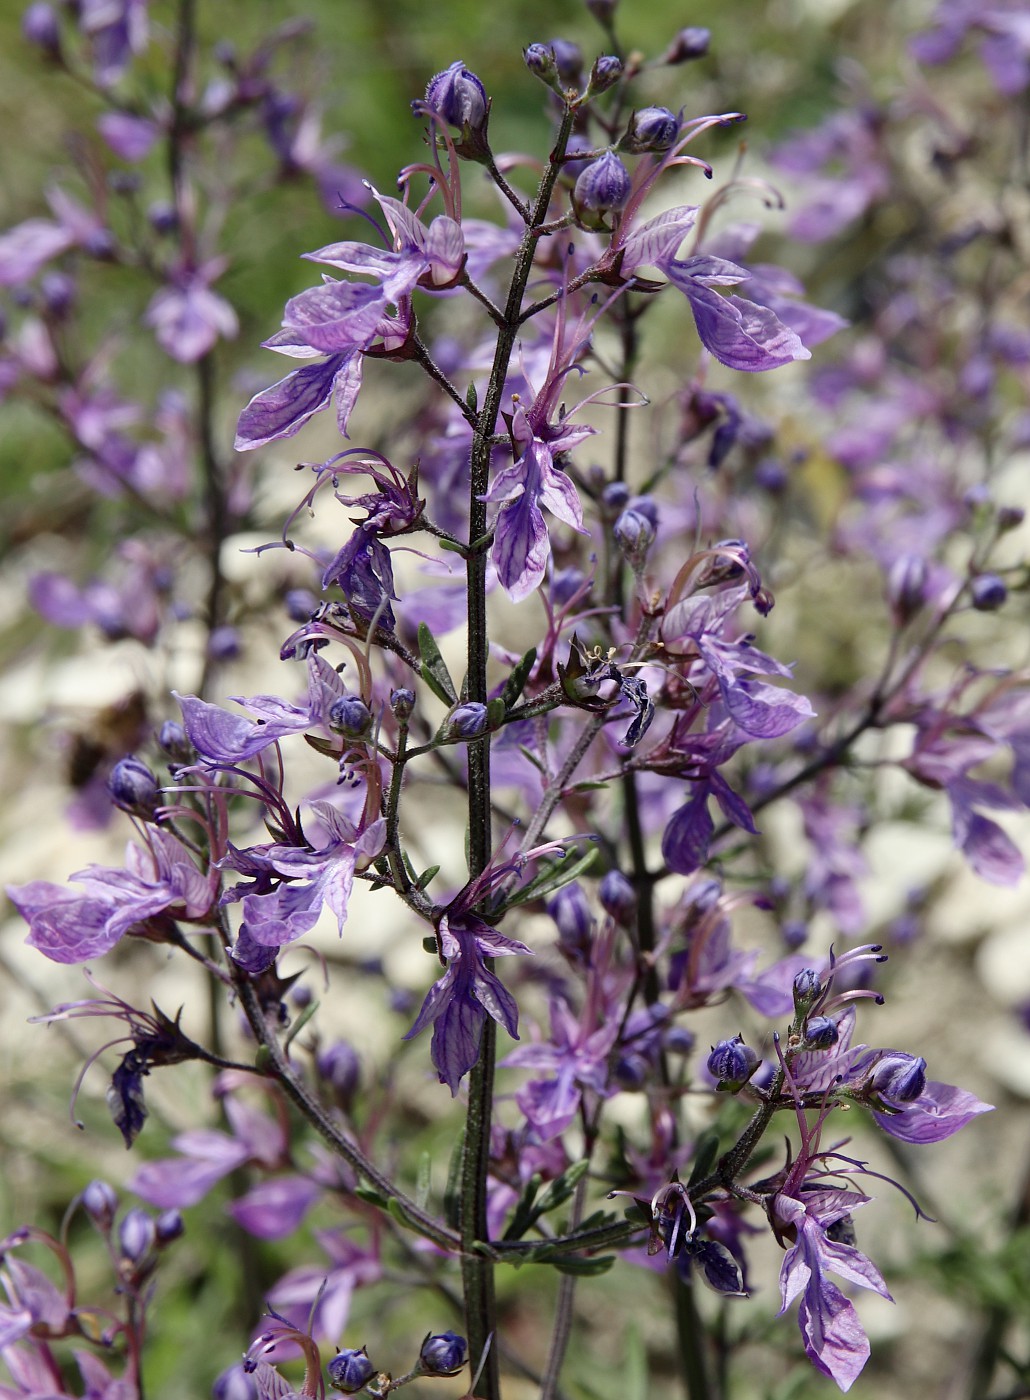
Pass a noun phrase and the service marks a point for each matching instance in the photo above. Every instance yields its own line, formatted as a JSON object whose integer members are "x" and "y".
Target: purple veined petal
{"x": 706, "y": 271}
{"x": 497, "y": 1002}
{"x": 686, "y": 838}
{"x": 284, "y": 408}
{"x": 939, "y": 1111}
{"x": 28, "y": 247}
{"x": 33, "y": 1290}
{"x": 434, "y": 1002}
{"x": 288, "y": 342}
{"x": 989, "y": 850}
{"x": 274, "y": 1209}
{"x": 357, "y": 257}
{"x": 734, "y": 808}
{"x": 16, "y": 1323}
{"x": 741, "y": 334}
{"x": 188, "y": 320}
{"x": 73, "y": 928}
{"x": 550, "y": 1105}
{"x": 335, "y": 317}
{"x": 659, "y": 239}
{"x": 851, "y": 1265}
{"x": 763, "y": 710}
{"x": 57, "y": 599}
{"x": 346, "y": 387}
{"x": 222, "y": 737}
{"x": 457, "y": 1033}
{"x": 444, "y": 250}
{"x": 521, "y": 547}
{"x": 835, "y": 1341}
{"x": 561, "y": 498}
{"x": 131, "y": 138}
{"x": 283, "y": 915}
{"x": 1006, "y": 55}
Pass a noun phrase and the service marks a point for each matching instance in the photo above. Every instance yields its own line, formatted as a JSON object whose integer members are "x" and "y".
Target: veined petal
{"x": 284, "y": 408}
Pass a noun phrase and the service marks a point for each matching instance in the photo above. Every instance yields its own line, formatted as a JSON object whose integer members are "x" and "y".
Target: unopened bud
{"x": 988, "y": 592}
{"x": 458, "y": 96}
{"x": 569, "y": 59}
{"x": 898, "y": 1077}
{"x": 906, "y": 585}
{"x": 350, "y": 716}
{"x": 443, "y": 1354}
{"x": 605, "y": 73}
{"x": 732, "y": 1063}
{"x": 634, "y": 534}
{"x": 807, "y": 988}
{"x": 820, "y": 1033}
{"x": 100, "y": 1202}
{"x": 688, "y": 44}
{"x": 168, "y": 1226}
{"x": 541, "y": 62}
{"x": 39, "y": 26}
{"x": 350, "y": 1371}
{"x": 134, "y": 788}
{"x": 465, "y": 721}
{"x": 618, "y": 897}
{"x": 339, "y": 1066}
{"x": 650, "y": 129}
{"x": 603, "y": 185}
{"x": 137, "y": 1235}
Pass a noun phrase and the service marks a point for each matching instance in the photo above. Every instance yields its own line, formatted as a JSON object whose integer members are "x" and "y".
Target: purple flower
{"x": 70, "y": 926}
{"x": 576, "y": 1058}
{"x": 187, "y": 317}
{"x": 458, "y": 96}
{"x": 131, "y": 138}
{"x": 458, "y": 1003}
{"x": 834, "y": 1339}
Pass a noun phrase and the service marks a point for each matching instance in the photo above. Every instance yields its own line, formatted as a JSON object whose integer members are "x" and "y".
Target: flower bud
{"x": 898, "y": 1077}
{"x": 650, "y": 129}
{"x": 602, "y": 10}
{"x": 569, "y": 58}
{"x": 634, "y": 534}
{"x": 350, "y": 1371}
{"x": 688, "y": 44}
{"x": 618, "y": 897}
{"x": 541, "y": 62}
{"x": 137, "y": 1235}
{"x": 134, "y": 788}
{"x": 350, "y": 716}
{"x": 565, "y": 584}
{"x": 732, "y": 1063}
{"x": 603, "y": 185}
{"x": 807, "y": 988}
{"x": 162, "y": 217}
{"x": 39, "y": 26}
{"x": 465, "y": 721}
{"x": 570, "y": 910}
{"x": 172, "y": 738}
{"x": 443, "y": 1354}
{"x": 1010, "y": 517}
{"x": 820, "y": 1033}
{"x": 223, "y": 644}
{"x": 615, "y": 497}
{"x": 168, "y": 1226}
{"x": 988, "y": 592}
{"x": 458, "y": 96}
{"x": 58, "y": 291}
{"x": 100, "y": 1202}
{"x": 906, "y": 585}
{"x": 605, "y": 73}
{"x": 339, "y": 1066}
{"x": 402, "y": 702}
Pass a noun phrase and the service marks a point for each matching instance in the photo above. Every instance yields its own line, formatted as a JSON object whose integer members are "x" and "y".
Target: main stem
{"x": 477, "y": 1271}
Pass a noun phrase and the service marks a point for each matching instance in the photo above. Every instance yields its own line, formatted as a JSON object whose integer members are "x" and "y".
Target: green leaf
{"x": 516, "y": 682}
{"x": 373, "y": 1197}
{"x": 554, "y": 875}
{"x": 424, "y": 1179}
{"x": 434, "y": 668}
{"x": 706, "y": 1150}
{"x": 301, "y": 1021}
{"x": 452, "y": 1191}
{"x": 430, "y": 873}
{"x": 561, "y": 1188}
{"x": 524, "y": 1214}
{"x": 583, "y": 1268}
{"x": 495, "y": 712}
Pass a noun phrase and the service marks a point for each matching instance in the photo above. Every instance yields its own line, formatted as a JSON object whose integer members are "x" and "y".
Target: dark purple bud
{"x": 172, "y": 738}
{"x": 223, "y": 644}
{"x": 124, "y": 182}
{"x": 603, "y": 185}
{"x": 732, "y": 1063}
{"x": 137, "y": 1235}
{"x": 541, "y": 62}
{"x": 40, "y": 27}
{"x": 338, "y": 1064}
{"x": 794, "y": 934}
{"x": 569, "y": 59}
{"x": 402, "y": 702}
{"x": 688, "y": 44}
{"x": 300, "y": 604}
{"x": 634, "y": 534}
{"x": 570, "y": 910}
{"x": 605, "y": 73}
{"x": 350, "y": 1371}
{"x": 631, "y": 1072}
{"x": 898, "y": 1077}
{"x": 58, "y": 291}
{"x": 465, "y": 721}
{"x": 162, "y": 217}
{"x": 988, "y": 592}
{"x": 349, "y": 715}
{"x": 771, "y": 475}
{"x": 677, "y": 1040}
{"x": 566, "y": 584}
{"x": 615, "y": 497}
{"x": 820, "y": 1033}
{"x": 100, "y": 244}
{"x": 602, "y": 10}
{"x": 168, "y": 1226}
{"x": 906, "y": 585}
{"x": 646, "y": 506}
{"x": 807, "y": 988}
{"x": 134, "y": 788}
{"x": 650, "y": 129}
{"x": 1010, "y": 517}
{"x": 443, "y": 1354}
{"x": 573, "y": 169}
{"x": 100, "y": 1202}
{"x": 618, "y": 897}
{"x": 458, "y": 96}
